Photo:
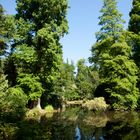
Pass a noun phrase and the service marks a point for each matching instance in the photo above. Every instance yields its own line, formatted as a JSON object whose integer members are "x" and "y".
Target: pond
{"x": 75, "y": 124}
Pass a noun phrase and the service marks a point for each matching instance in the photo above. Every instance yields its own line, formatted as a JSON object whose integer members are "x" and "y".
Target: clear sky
{"x": 83, "y": 23}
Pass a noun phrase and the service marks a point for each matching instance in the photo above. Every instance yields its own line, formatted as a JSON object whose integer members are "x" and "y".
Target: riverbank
{"x": 97, "y": 104}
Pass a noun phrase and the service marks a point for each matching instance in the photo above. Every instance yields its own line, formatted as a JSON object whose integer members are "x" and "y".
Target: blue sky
{"x": 83, "y": 23}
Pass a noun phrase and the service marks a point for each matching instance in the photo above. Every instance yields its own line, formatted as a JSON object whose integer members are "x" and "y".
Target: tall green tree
{"x": 110, "y": 20}
{"x": 111, "y": 54}
{"x": 134, "y": 34}
{"x": 12, "y": 101}
{"x": 2, "y": 42}
{"x": 65, "y": 85}
{"x": 134, "y": 28}
{"x": 6, "y": 31}
{"x": 86, "y": 80}
{"x": 37, "y": 51}
{"x": 111, "y": 26}
{"x": 134, "y": 25}
{"x": 6, "y": 27}
{"x": 2, "y": 31}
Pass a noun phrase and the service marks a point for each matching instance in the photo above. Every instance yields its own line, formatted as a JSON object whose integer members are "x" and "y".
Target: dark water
{"x": 75, "y": 124}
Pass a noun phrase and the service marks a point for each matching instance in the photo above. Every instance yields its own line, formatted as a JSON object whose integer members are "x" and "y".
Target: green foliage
{"x": 135, "y": 17}
{"x": 37, "y": 53}
{"x": 134, "y": 35}
{"x": 22, "y": 60}
{"x": 112, "y": 26}
{"x": 31, "y": 86}
{"x": 49, "y": 108}
{"x": 86, "y": 80}
{"x": 6, "y": 31}
{"x": 134, "y": 29}
{"x": 23, "y": 32}
{"x": 24, "y": 55}
{"x": 110, "y": 20}
{"x": 3, "y": 84}
{"x": 111, "y": 55}
{"x": 65, "y": 84}
{"x": 12, "y": 104}
{"x": 3, "y": 31}
{"x": 49, "y": 54}
{"x": 12, "y": 100}
{"x": 120, "y": 73}
{"x": 34, "y": 66}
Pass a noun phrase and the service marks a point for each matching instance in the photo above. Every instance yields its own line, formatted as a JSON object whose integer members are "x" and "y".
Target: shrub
{"x": 33, "y": 113}
{"x": 13, "y": 104}
{"x": 49, "y": 108}
{"x": 98, "y": 104}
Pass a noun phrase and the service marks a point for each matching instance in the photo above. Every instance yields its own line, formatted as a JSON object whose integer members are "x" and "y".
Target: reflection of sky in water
{"x": 78, "y": 135}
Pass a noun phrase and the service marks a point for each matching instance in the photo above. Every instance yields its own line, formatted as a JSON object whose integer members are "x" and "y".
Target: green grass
{"x": 49, "y": 108}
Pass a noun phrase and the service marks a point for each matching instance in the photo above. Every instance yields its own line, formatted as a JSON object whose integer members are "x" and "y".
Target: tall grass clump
{"x": 98, "y": 104}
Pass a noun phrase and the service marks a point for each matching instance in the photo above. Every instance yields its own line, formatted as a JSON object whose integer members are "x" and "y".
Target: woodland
{"x": 33, "y": 73}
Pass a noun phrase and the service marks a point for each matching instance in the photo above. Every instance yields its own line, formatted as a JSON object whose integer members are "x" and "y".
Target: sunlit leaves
{"x": 111, "y": 55}
{"x": 110, "y": 20}
{"x": 30, "y": 85}
{"x": 38, "y": 53}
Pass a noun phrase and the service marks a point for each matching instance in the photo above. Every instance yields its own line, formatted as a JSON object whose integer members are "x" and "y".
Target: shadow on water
{"x": 75, "y": 124}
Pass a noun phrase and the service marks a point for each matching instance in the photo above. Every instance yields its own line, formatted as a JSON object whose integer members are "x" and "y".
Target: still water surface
{"x": 76, "y": 124}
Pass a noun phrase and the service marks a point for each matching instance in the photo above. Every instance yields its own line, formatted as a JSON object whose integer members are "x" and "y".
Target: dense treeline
{"x": 33, "y": 73}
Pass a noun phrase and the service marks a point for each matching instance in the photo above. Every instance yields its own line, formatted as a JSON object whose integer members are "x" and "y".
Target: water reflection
{"x": 77, "y": 133}
{"x": 75, "y": 124}
{"x": 80, "y": 136}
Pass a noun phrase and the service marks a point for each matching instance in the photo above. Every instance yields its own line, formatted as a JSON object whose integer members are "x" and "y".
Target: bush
{"x": 34, "y": 114}
{"x": 49, "y": 108}
{"x": 98, "y": 104}
{"x": 13, "y": 104}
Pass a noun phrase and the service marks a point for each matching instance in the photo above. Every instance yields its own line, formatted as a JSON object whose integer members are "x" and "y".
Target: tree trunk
{"x": 39, "y": 104}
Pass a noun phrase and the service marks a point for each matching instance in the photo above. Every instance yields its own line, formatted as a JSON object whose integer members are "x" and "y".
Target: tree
{"x": 65, "y": 85}
{"x": 120, "y": 76}
{"x": 134, "y": 25}
{"x": 110, "y": 20}
{"x": 134, "y": 35}
{"x": 111, "y": 54}
{"x": 37, "y": 51}
{"x": 12, "y": 100}
{"x": 2, "y": 31}
{"x": 111, "y": 23}
{"x": 86, "y": 80}
{"x": 134, "y": 28}
{"x": 6, "y": 31}
{"x": 4, "y": 37}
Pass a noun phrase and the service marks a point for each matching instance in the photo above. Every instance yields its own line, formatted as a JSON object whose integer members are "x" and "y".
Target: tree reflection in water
{"x": 74, "y": 124}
